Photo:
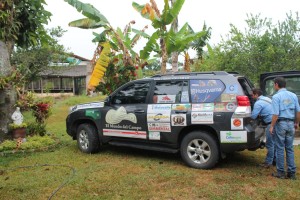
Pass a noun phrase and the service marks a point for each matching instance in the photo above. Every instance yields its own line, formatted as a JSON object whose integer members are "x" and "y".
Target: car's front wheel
{"x": 199, "y": 150}
{"x": 87, "y": 138}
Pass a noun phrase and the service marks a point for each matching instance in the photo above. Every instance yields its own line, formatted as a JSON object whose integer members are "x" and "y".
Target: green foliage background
{"x": 262, "y": 47}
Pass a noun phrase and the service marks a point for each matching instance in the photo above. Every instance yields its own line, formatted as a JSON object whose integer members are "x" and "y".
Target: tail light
{"x": 243, "y": 101}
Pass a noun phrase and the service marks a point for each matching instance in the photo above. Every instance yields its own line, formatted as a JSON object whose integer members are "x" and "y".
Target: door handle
{"x": 139, "y": 111}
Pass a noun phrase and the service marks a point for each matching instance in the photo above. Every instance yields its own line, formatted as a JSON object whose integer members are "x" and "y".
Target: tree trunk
{"x": 174, "y": 26}
{"x": 164, "y": 56}
{"x": 175, "y": 62}
{"x": 7, "y": 95}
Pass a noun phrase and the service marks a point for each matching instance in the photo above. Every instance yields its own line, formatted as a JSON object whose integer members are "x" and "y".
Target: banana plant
{"x": 159, "y": 22}
{"x": 118, "y": 40}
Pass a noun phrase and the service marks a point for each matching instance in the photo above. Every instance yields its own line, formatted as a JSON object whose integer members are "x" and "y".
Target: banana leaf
{"x": 87, "y": 10}
{"x": 170, "y": 13}
{"x": 87, "y": 23}
{"x": 141, "y": 33}
{"x": 150, "y": 46}
{"x": 99, "y": 37}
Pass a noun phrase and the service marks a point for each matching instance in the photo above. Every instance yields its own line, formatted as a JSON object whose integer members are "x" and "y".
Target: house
{"x": 64, "y": 78}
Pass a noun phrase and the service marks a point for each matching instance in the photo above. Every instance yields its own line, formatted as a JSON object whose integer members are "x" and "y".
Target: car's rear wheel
{"x": 199, "y": 150}
{"x": 87, "y": 138}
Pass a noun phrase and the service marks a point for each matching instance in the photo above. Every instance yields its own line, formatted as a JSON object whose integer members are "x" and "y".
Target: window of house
{"x": 171, "y": 92}
{"x": 51, "y": 83}
{"x": 67, "y": 83}
{"x": 135, "y": 93}
{"x": 36, "y": 85}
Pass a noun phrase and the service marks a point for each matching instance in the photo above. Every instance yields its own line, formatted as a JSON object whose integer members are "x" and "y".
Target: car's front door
{"x": 125, "y": 116}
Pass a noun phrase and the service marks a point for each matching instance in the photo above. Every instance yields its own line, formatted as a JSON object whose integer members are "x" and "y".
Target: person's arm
{"x": 297, "y": 116}
{"x": 275, "y": 112}
{"x": 274, "y": 120}
{"x": 256, "y": 110}
{"x": 297, "y": 120}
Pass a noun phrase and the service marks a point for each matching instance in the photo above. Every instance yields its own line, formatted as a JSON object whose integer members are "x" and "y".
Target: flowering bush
{"x": 41, "y": 111}
{"x": 25, "y": 101}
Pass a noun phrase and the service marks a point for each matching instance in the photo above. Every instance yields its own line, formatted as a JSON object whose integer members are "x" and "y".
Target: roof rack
{"x": 191, "y": 73}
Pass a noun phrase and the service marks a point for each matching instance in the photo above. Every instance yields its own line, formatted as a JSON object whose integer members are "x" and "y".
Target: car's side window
{"x": 206, "y": 90}
{"x": 171, "y": 92}
{"x": 135, "y": 93}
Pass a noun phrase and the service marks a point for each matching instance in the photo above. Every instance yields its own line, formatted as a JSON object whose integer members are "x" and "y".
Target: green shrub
{"x": 34, "y": 142}
{"x": 8, "y": 145}
{"x": 13, "y": 126}
{"x": 36, "y": 129}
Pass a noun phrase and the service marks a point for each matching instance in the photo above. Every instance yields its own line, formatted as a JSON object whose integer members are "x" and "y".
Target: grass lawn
{"x": 123, "y": 173}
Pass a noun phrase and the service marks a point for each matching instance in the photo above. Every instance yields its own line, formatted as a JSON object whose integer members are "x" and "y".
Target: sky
{"x": 217, "y": 14}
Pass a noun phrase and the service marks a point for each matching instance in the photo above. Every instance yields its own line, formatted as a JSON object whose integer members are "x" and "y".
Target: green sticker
{"x": 95, "y": 114}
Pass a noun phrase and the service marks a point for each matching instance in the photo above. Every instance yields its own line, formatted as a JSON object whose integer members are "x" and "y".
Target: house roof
{"x": 80, "y": 58}
{"x": 66, "y": 71}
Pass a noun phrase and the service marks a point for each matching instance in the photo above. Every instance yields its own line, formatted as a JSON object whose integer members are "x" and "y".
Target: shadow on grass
{"x": 232, "y": 161}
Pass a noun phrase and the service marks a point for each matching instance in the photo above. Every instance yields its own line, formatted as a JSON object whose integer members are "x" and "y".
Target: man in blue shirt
{"x": 263, "y": 108}
{"x": 285, "y": 119}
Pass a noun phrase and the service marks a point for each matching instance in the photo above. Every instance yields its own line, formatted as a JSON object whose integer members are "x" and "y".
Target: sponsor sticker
{"x": 232, "y": 89}
{"x": 125, "y": 133}
{"x": 154, "y": 135}
{"x": 166, "y": 98}
{"x": 225, "y": 107}
{"x": 202, "y": 117}
{"x": 203, "y": 91}
{"x": 230, "y": 106}
{"x": 179, "y": 120}
{"x": 183, "y": 107}
{"x": 158, "y": 117}
{"x": 116, "y": 116}
{"x": 162, "y": 127}
{"x": 95, "y": 114}
{"x": 237, "y": 124}
{"x": 233, "y": 136}
{"x": 203, "y": 107}
{"x": 159, "y": 108}
{"x": 228, "y": 97}
{"x": 88, "y": 105}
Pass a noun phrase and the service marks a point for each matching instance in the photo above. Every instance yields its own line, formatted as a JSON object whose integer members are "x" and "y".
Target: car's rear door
{"x": 292, "y": 82}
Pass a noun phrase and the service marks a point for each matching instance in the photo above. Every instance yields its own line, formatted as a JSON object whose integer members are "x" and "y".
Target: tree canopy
{"x": 262, "y": 47}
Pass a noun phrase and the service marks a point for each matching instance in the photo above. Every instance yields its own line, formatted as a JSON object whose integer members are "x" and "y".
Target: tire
{"x": 199, "y": 150}
{"x": 87, "y": 138}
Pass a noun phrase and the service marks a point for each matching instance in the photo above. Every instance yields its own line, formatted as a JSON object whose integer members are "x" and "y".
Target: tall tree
{"x": 21, "y": 24}
{"x": 174, "y": 26}
{"x": 123, "y": 62}
{"x": 160, "y": 22}
{"x": 262, "y": 47}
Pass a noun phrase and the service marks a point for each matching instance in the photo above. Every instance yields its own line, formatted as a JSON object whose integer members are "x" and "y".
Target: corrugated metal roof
{"x": 66, "y": 71}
